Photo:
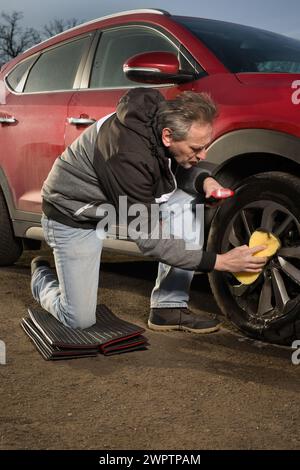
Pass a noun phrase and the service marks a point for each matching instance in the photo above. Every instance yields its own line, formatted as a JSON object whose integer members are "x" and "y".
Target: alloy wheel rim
{"x": 277, "y": 289}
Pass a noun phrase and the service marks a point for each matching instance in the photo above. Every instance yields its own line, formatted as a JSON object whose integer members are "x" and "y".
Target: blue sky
{"x": 281, "y": 16}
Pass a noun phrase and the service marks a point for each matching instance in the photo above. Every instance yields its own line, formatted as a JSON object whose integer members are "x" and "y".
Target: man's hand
{"x": 241, "y": 259}
{"x": 210, "y": 185}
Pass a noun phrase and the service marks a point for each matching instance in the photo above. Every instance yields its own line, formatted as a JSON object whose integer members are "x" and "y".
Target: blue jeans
{"x": 71, "y": 296}
{"x": 172, "y": 285}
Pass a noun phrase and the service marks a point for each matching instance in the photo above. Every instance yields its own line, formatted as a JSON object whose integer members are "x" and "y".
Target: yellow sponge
{"x": 259, "y": 238}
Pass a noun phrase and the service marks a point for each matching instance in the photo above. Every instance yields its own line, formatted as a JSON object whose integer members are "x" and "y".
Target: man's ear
{"x": 166, "y": 137}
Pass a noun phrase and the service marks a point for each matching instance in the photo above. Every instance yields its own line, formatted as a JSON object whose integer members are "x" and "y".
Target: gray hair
{"x": 180, "y": 113}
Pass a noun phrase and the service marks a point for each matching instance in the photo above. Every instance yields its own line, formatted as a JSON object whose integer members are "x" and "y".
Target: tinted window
{"x": 116, "y": 46}
{"x": 246, "y": 49}
{"x": 15, "y": 77}
{"x": 56, "y": 69}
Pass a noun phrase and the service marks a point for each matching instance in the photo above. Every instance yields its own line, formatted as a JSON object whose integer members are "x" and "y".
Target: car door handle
{"x": 81, "y": 121}
{"x": 7, "y": 120}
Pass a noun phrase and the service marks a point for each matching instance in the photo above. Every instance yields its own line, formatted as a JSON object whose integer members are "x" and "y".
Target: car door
{"x": 37, "y": 106}
{"x": 103, "y": 80}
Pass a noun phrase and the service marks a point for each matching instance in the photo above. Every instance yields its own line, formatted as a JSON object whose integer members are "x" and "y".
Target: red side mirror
{"x": 154, "y": 67}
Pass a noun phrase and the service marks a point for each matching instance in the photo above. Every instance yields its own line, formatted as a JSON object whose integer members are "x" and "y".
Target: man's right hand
{"x": 241, "y": 259}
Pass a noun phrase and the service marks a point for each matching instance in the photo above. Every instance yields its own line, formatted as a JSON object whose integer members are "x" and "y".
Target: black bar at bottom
{"x": 137, "y": 458}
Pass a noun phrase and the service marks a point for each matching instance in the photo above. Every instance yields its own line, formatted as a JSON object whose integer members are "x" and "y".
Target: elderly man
{"x": 133, "y": 153}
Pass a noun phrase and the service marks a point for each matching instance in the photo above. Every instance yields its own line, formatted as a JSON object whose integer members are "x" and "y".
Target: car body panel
{"x": 38, "y": 137}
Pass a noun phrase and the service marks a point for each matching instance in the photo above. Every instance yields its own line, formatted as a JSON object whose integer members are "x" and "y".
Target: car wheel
{"x": 268, "y": 309}
{"x": 11, "y": 247}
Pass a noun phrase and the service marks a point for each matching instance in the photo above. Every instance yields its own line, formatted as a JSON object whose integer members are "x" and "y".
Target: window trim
{"x": 24, "y": 76}
{"x": 78, "y": 75}
{"x": 83, "y": 74}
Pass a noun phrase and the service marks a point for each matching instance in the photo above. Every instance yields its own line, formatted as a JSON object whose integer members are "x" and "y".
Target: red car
{"x": 50, "y": 93}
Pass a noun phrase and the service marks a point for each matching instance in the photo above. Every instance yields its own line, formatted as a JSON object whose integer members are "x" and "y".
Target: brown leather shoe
{"x": 167, "y": 319}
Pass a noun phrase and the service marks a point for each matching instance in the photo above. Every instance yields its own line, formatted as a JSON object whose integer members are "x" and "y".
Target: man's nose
{"x": 201, "y": 155}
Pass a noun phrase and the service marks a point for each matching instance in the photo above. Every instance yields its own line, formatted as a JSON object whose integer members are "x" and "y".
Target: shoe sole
{"x": 154, "y": 327}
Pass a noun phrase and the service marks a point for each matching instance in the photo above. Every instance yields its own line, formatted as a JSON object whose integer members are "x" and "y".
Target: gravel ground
{"x": 187, "y": 391}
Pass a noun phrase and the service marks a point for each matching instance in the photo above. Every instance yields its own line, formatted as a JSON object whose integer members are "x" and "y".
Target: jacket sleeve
{"x": 191, "y": 180}
{"x": 174, "y": 253}
{"x": 130, "y": 176}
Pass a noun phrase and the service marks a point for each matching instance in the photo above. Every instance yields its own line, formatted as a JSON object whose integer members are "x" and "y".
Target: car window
{"x": 15, "y": 77}
{"x": 56, "y": 68}
{"x": 117, "y": 45}
{"x": 244, "y": 48}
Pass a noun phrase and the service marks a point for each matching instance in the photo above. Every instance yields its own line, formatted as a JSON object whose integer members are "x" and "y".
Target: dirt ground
{"x": 187, "y": 391}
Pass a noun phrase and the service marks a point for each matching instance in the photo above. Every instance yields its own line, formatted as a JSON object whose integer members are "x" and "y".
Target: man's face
{"x": 192, "y": 150}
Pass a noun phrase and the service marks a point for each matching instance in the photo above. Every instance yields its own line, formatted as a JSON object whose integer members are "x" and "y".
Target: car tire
{"x": 269, "y": 309}
{"x": 11, "y": 248}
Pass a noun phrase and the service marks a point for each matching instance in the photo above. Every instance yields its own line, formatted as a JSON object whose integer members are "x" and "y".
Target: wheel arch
{"x": 5, "y": 189}
{"x": 18, "y": 219}
{"x": 243, "y": 153}
{"x": 237, "y": 155}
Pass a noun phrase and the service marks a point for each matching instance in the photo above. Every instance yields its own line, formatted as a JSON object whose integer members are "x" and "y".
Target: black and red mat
{"x": 110, "y": 335}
